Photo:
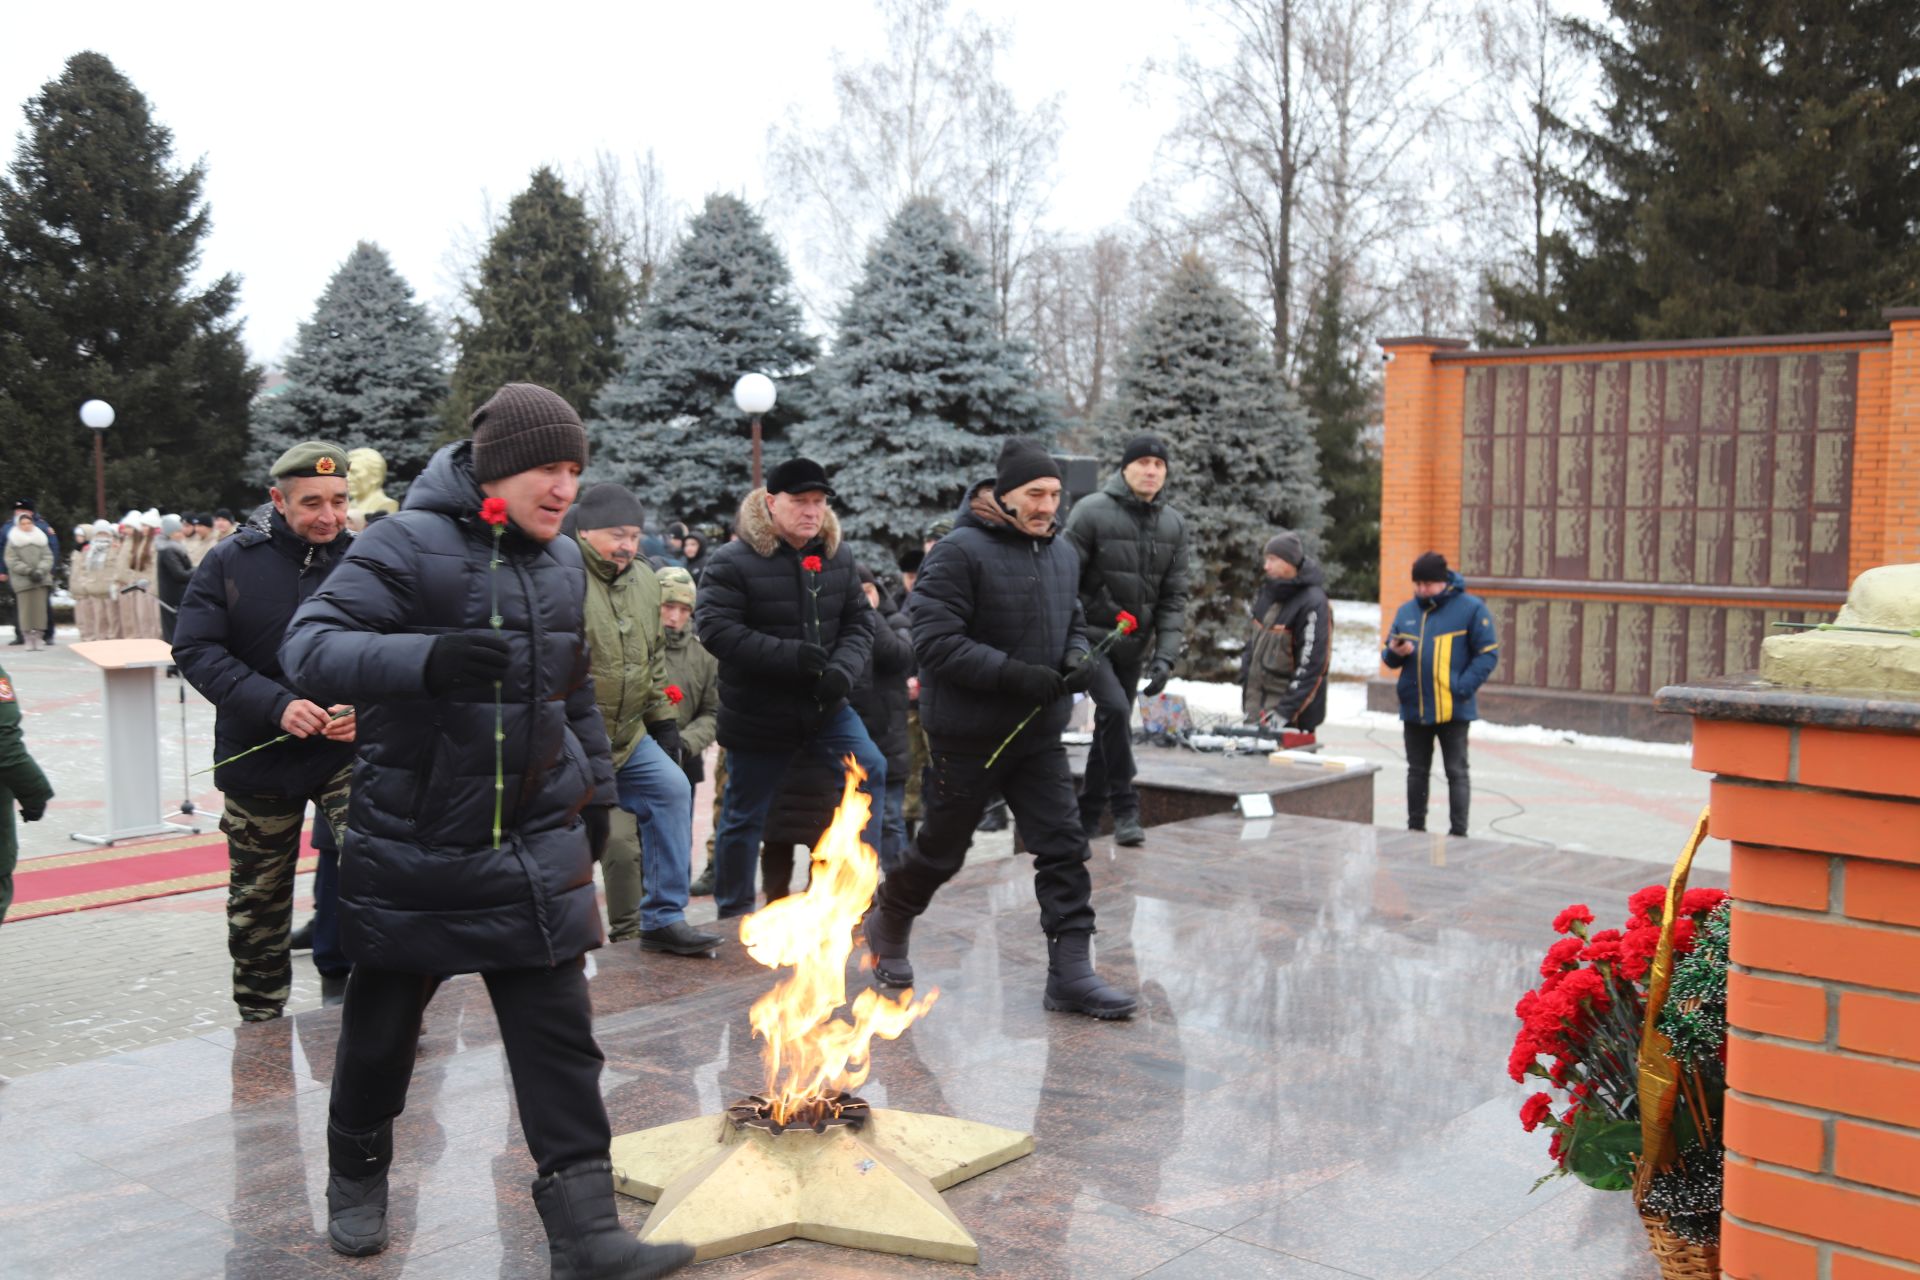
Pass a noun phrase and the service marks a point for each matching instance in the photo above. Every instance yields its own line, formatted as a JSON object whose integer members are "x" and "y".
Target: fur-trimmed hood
{"x": 754, "y": 524}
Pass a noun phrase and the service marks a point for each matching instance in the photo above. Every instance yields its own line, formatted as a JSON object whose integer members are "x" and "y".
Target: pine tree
{"x": 1753, "y": 170}
{"x": 366, "y": 372}
{"x": 547, "y": 305}
{"x": 920, "y": 388}
{"x": 99, "y": 235}
{"x": 1335, "y": 390}
{"x": 1198, "y": 373}
{"x": 722, "y": 305}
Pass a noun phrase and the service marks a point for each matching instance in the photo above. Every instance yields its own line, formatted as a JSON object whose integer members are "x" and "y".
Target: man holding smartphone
{"x": 1444, "y": 647}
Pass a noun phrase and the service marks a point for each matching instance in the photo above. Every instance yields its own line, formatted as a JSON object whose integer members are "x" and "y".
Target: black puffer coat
{"x": 1133, "y": 556}
{"x": 422, "y": 888}
{"x": 880, "y": 695}
{"x": 753, "y": 615}
{"x": 227, "y": 641}
{"x": 988, "y": 592}
{"x": 1287, "y": 674}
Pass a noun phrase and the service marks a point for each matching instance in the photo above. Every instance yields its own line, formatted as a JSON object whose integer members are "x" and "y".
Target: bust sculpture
{"x": 366, "y": 473}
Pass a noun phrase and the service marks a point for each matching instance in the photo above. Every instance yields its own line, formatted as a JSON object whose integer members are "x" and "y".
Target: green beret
{"x": 312, "y": 458}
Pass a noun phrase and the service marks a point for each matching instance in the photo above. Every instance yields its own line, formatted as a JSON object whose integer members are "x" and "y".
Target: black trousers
{"x": 1038, "y": 787}
{"x": 546, "y": 1025}
{"x": 1453, "y": 755}
{"x": 1109, "y": 779}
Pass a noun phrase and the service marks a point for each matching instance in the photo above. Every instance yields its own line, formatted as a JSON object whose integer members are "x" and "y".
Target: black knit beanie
{"x": 1021, "y": 463}
{"x": 1431, "y": 567}
{"x": 1287, "y": 545}
{"x": 521, "y": 427}
{"x": 1146, "y": 445}
{"x": 608, "y": 506}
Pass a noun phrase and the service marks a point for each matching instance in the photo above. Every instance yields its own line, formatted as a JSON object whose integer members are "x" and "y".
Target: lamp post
{"x": 97, "y": 416}
{"x": 753, "y": 394}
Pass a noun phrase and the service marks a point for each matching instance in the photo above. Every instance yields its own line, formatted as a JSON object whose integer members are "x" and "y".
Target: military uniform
{"x": 227, "y": 642}
{"x": 21, "y": 783}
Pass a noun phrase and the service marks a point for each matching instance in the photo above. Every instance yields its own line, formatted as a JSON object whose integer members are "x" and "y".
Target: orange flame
{"x": 810, "y": 1054}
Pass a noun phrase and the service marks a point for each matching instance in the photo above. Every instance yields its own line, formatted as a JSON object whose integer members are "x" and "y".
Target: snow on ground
{"x": 1347, "y": 706}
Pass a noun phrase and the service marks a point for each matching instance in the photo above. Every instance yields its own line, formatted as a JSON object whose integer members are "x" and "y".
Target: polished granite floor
{"x": 1314, "y": 1089}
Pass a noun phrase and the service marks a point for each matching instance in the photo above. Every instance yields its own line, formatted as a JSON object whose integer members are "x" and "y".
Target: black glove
{"x": 32, "y": 810}
{"x": 1078, "y": 673}
{"x": 814, "y": 658}
{"x": 831, "y": 686}
{"x": 1032, "y": 682}
{"x": 465, "y": 660}
{"x": 667, "y": 734}
{"x": 1157, "y": 676}
{"x": 599, "y": 824}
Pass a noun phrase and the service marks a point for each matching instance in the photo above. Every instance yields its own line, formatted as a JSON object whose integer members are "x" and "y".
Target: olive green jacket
{"x": 629, "y": 657}
{"x": 697, "y": 674}
{"x": 20, "y": 780}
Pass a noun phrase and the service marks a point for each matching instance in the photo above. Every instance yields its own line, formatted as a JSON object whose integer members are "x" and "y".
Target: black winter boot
{"x": 887, "y": 937}
{"x": 1073, "y": 986}
{"x": 584, "y": 1234}
{"x": 357, "y": 1189}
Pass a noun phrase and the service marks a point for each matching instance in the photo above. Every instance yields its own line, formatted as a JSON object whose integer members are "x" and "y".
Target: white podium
{"x": 132, "y": 670}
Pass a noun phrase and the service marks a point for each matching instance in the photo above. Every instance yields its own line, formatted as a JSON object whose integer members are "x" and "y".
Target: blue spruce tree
{"x": 920, "y": 388}
{"x": 722, "y": 305}
{"x": 1198, "y": 373}
{"x": 368, "y": 370}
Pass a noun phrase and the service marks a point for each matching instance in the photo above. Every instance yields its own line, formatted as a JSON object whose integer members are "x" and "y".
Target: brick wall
{"x": 1823, "y": 1106}
{"x": 1610, "y": 590}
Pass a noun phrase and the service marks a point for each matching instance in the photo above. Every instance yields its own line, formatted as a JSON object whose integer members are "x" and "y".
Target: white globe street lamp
{"x": 97, "y": 416}
{"x": 753, "y": 395}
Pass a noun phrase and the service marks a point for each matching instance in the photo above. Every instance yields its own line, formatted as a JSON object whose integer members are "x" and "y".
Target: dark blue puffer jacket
{"x": 422, "y": 889}
{"x": 227, "y": 640}
{"x": 1455, "y": 651}
{"x": 988, "y": 592}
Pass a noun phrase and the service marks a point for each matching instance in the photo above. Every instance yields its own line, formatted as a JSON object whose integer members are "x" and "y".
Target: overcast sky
{"x": 387, "y": 122}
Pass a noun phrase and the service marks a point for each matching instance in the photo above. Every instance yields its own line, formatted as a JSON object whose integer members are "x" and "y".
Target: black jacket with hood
{"x": 988, "y": 592}
{"x": 1133, "y": 557}
{"x": 880, "y": 695}
{"x": 754, "y": 613}
{"x": 227, "y": 642}
{"x": 423, "y": 889}
{"x": 1292, "y": 667}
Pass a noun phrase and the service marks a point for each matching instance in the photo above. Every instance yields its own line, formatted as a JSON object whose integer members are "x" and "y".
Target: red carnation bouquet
{"x": 1582, "y": 1034}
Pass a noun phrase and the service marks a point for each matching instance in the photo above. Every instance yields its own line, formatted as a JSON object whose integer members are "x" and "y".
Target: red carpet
{"x": 108, "y": 877}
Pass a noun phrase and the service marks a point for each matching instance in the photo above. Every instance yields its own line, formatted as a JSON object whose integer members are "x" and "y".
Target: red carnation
{"x": 1563, "y": 954}
{"x": 812, "y": 564}
{"x": 1603, "y": 947}
{"x": 1534, "y": 1110}
{"x": 1649, "y": 903}
{"x": 1636, "y": 952}
{"x": 1697, "y": 902}
{"x": 494, "y": 511}
{"x": 674, "y": 695}
{"x": 1579, "y": 913}
{"x": 1127, "y": 623}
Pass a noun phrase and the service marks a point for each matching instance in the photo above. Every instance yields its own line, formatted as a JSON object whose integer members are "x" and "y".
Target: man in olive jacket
{"x": 630, "y": 683}
{"x": 781, "y": 608}
{"x": 456, "y": 627}
{"x": 1133, "y": 558}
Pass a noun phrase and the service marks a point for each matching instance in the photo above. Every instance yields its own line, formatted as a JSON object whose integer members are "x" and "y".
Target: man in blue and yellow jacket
{"x": 1444, "y": 647}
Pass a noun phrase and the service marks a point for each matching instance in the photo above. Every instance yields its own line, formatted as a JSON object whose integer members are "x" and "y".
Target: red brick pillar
{"x": 1420, "y": 461}
{"x": 1820, "y": 795}
{"x": 1902, "y": 459}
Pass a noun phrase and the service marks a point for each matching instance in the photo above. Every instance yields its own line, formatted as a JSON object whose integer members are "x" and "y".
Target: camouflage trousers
{"x": 263, "y": 846}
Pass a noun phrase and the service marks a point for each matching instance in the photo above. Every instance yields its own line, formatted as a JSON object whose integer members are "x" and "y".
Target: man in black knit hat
{"x": 480, "y": 801}
{"x": 1133, "y": 558}
{"x": 998, "y": 633}
{"x": 1443, "y": 644}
